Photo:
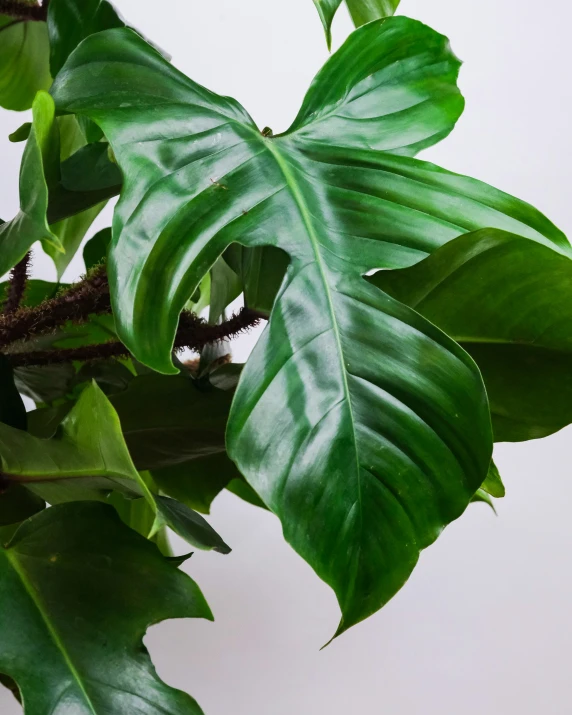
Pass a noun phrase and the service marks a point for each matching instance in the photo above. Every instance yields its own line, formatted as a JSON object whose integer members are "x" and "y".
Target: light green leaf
{"x": 71, "y": 232}
{"x": 78, "y": 590}
{"x": 356, "y": 421}
{"x": 363, "y": 11}
{"x": 508, "y": 301}
{"x": 482, "y": 496}
{"x": 493, "y": 484}
{"x": 85, "y": 460}
{"x": 39, "y": 168}
{"x": 24, "y": 62}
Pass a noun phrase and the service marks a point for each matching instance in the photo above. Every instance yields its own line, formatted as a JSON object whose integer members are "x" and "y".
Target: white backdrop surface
{"x": 484, "y": 624}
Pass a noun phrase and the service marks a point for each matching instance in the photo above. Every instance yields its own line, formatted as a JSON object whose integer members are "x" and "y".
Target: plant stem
{"x": 193, "y": 333}
{"x": 17, "y": 285}
{"x": 87, "y": 297}
{"x": 24, "y": 11}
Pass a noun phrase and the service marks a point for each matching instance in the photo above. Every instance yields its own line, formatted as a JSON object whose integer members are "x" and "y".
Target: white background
{"x": 484, "y": 624}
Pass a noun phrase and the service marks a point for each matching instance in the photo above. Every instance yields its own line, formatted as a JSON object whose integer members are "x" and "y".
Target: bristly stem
{"x": 24, "y": 11}
{"x": 17, "y": 285}
{"x": 193, "y": 333}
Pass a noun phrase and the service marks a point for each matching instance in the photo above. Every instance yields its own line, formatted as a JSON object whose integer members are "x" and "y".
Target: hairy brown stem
{"x": 193, "y": 333}
{"x": 24, "y": 11}
{"x": 75, "y": 304}
{"x": 17, "y": 285}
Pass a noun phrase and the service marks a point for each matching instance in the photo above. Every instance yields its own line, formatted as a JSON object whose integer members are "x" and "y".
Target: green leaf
{"x": 261, "y": 272}
{"x": 85, "y": 460}
{"x": 493, "y": 484}
{"x": 508, "y": 301}
{"x": 88, "y": 451}
{"x": 71, "y": 232}
{"x": 482, "y": 496}
{"x": 39, "y": 163}
{"x": 17, "y": 504}
{"x": 168, "y": 420}
{"x": 24, "y": 65}
{"x": 363, "y": 11}
{"x": 196, "y": 483}
{"x": 326, "y": 10}
{"x": 71, "y": 21}
{"x": 79, "y": 589}
{"x": 356, "y": 421}
{"x": 95, "y": 250}
{"x": 225, "y": 287}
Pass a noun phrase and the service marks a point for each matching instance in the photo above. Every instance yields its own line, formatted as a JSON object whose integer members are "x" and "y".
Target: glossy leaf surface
{"x": 508, "y": 301}
{"x": 363, "y": 11}
{"x": 326, "y": 10}
{"x": 342, "y": 421}
{"x": 71, "y": 626}
{"x": 71, "y": 21}
{"x": 24, "y": 62}
{"x": 39, "y": 167}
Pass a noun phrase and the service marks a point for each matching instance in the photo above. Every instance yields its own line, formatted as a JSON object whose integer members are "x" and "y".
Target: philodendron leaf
{"x": 508, "y": 301}
{"x": 71, "y": 21}
{"x": 24, "y": 62}
{"x": 363, "y": 11}
{"x": 40, "y": 161}
{"x": 85, "y": 460}
{"x": 168, "y": 420}
{"x": 356, "y": 421}
{"x": 78, "y": 590}
{"x": 326, "y": 10}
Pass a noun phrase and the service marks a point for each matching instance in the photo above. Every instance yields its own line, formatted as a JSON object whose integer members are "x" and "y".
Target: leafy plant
{"x": 365, "y": 416}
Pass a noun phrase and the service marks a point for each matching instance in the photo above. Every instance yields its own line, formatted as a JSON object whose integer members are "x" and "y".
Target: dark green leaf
{"x": 198, "y": 482}
{"x": 24, "y": 62}
{"x": 167, "y": 420}
{"x": 242, "y": 489}
{"x": 71, "y": 21}
{"x": 187, "y": 524}
{"x": 90, "y": 169}
{"x": 225, "y": 287}
{"x": 360, "y": 424}
{"x": 12, "y": 410}
{"x": 79, "y": 589}
{"x": 261, "y": 271}
{"x": 95, "y": 250}
{"x": 508, "y": 301}
{"x": 7, "y": 682}
{"x": 18, "y": 503}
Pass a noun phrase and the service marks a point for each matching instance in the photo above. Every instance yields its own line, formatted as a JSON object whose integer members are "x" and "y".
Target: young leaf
{"x": 493, "y": 484}
{"x": 343, "y": 418}
{"x": 363, "y": 11}
{"x": 95, "y": 250}
{"x": 40, "y": 160}
{"x": 24, "y": 62}
{"x": 326, "y": 10}
{"x": 79, "y": 589}
{"x": 508, "y": 301}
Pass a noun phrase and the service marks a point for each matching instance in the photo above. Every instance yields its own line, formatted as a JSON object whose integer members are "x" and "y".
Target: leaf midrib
{"x": 306, "y": 217}
{"x": 36, "y": 600}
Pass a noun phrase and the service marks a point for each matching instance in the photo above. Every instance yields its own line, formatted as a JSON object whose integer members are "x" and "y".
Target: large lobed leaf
{"x": 78, "y": 590}
{"x": 358, "y": 422}
{"x": 508, "y": 301}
